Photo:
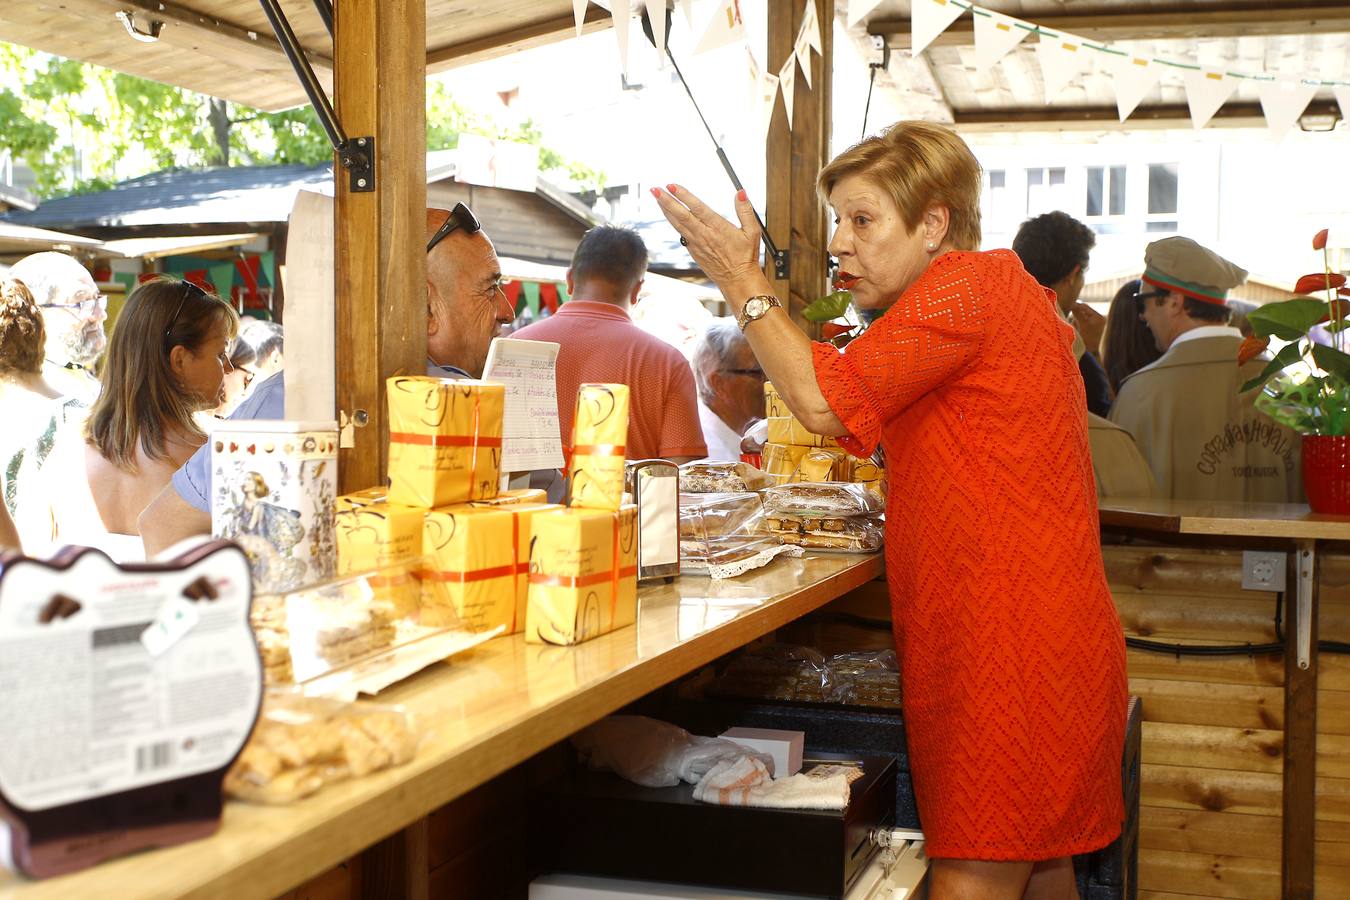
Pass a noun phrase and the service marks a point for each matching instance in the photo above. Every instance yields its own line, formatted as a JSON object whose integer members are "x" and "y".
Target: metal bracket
{"x": 1306, "y": 564}
{"x": 357, "y": 156}
{"x": 780, "y": 263}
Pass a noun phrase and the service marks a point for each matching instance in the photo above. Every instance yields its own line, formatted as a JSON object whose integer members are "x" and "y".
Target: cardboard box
{"x": 380, "y": 535}
{"x": 472, "y": 572}
{"x": 445, "y": 440}
{"x": 783, "y": 425}
{"x": 824, "y": 464}
{"x": 583, "y": 574}
{"x": 515, "y": 498}
{"x": 784, "y": 746}
{"x": 599, "y": 444}
{"x": 359, "y": 499}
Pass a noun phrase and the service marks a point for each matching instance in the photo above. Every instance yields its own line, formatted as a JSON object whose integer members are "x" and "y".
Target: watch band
{"x": 745, "y": 318}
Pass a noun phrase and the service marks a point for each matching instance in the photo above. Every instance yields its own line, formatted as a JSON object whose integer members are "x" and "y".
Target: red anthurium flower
{"x": 832, "y": 330}
{"x": 1319, "y": 281}
{"x": 1320, "y": 240}
{"x": 1251, "y": 348}
{"x": 1339, "y": 309}
{"x": 1344, "y": 292}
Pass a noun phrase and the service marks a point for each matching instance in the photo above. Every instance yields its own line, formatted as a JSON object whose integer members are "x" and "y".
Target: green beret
{"x": 1180, "y": 264}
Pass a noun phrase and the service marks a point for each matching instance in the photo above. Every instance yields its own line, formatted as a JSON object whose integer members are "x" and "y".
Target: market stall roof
{"x": 1294, "y": 40}
{"x": 226, "y": 48}
{"x": 155, "y": 248}
{"x": 23, "y": 239}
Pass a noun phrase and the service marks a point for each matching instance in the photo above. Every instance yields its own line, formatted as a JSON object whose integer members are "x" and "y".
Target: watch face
{"x": 756, "y": 307}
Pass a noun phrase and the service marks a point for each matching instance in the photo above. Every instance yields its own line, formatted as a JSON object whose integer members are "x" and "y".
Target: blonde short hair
{"x": 918, "y": 164}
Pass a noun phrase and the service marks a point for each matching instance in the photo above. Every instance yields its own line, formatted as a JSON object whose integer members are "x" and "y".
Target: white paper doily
{"x": 740, "y": 566}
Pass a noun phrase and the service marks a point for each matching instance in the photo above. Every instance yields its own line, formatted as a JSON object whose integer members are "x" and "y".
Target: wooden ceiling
{"x": 1292, "y": 38}
{"x": 225, "y": 48}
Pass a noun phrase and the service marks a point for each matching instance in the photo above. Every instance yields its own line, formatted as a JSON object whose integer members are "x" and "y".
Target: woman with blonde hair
{"x": 166, "y": 361}
{"x": 1012, "y": 656}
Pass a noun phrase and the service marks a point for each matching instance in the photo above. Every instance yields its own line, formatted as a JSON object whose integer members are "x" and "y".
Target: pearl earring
{"x": 932, "y": 246}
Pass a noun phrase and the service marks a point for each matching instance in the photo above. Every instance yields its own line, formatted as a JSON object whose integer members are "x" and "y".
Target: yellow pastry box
{"x": 583, "y": 574}
{"x": 445, "y": 440}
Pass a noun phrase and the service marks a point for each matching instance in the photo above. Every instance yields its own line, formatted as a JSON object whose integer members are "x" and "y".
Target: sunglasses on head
{"x": 460, "y": 217}
{"x": 188, "y": 290}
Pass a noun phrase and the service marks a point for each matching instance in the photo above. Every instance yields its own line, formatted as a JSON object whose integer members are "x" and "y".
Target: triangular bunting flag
{"x": 688, "y": 7}
{"x": 929, "y": 18}
{"x": 1133, "y": 78}
{"x": 1205, "y": 92}
{"x": 579, "y": 13}
{"x": 801, "y": 51}
{"x": 995, "y": 36}
{"x": 1283, "y": 102}
{"x": 656, "y": 11}
{"x": 787, "y": 84}
{"x": 548, "y": 294}
{"x": 725, "y": 27}
{"x": 1343, "y": 100}
{"x": 808, "y": 39}
{"x": 858, "y": 10}
{"x": 618, "y": 10}
{"x": 1062, "y": 58}
{"x": 530, "y": 291}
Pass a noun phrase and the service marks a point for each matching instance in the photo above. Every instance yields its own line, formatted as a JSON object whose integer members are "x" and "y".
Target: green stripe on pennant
{"x": 530, "y": 289}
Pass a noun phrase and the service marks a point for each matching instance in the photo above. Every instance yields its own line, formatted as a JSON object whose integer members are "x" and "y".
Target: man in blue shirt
{"x": 466, "y": 309}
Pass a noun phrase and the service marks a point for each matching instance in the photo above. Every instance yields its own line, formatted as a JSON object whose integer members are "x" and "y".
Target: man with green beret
{"x": 1202, "y": 438}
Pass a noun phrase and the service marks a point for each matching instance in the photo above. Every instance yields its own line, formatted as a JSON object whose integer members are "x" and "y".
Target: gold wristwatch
{"x": 756, "y": 308}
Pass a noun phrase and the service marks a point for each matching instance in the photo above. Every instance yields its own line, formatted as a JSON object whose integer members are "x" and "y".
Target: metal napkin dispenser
{"x": 655, "y": 486}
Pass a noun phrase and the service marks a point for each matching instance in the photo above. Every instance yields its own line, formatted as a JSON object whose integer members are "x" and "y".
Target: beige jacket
{"x": 1117, "y": 464}
{"x": 1202, "y": 439}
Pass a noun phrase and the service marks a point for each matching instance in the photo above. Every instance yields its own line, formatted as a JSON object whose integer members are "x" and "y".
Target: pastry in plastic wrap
{"x": 824, "y": 464}
{"x": 445, "y": 440}
{"x": 302, "y": 743}
{"x": 780, "y": 462}
{"x": 599, "y": 444}
{"x": 720, "y": 477}
{"x": 583, "y": 574}
{"x": 376, "y": 535}
{"x": 835, "y": 498}
{"x": 784, "y": 428}
{"x": 267, "y": 616}
{"x": 825, "y": 533}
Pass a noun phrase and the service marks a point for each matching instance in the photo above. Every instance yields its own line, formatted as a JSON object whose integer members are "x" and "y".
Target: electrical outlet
{"x": 1262, "y": 571}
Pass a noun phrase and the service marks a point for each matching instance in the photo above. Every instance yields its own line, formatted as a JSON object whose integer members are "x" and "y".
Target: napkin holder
{"x": 655, "y": 486}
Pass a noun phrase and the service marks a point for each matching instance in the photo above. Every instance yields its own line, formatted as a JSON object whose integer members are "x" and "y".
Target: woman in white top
{"x": 29, "y": 403}
{"x": 167, "y": 360}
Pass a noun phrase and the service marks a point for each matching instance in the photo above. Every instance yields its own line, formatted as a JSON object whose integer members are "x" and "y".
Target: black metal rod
{"x": 325, "y": 8}
{"x": 296, "y": 54}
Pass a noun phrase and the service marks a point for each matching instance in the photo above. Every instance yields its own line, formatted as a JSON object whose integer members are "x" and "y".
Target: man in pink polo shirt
{"x": 599, "y": 343}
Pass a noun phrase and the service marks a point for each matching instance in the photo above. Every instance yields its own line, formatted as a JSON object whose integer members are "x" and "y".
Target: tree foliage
{"x": 82, "y": 128}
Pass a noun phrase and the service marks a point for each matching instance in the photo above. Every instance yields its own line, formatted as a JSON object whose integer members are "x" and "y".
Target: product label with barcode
{"x": 114, "y": 680}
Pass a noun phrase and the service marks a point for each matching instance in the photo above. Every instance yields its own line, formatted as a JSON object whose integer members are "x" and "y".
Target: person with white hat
{"x": 1203, "y": 439}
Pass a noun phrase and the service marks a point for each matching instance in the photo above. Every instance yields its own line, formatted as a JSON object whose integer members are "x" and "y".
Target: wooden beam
{"x": 1153, "y": 24}
{"x": 380, "y": 235}
{"x": 795, "y": 217}
{"x": 1106, "y": 118}
{"x": 526, "y": 37}
{"x": 1300, "y": 724}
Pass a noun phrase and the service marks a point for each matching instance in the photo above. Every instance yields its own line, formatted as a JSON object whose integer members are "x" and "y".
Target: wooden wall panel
{"x": 520, "y": 224}
{"x": 1211, "y": 875}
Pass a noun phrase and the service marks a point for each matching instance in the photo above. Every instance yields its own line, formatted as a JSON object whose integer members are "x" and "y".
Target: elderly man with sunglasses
{"x": 1202, "y": 438}
{"x": 466, "y": 309}
{"x": 73, "y": 313}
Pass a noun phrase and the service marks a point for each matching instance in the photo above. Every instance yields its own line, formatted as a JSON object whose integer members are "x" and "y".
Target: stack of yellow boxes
{"x": 583, "y": 560}
{"x": 443, "y": 505}
{"x": 795, "y": 454}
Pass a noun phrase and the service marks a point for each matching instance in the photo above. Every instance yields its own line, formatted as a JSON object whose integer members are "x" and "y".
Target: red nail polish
{"x": 656, "y": 192}
{"x": 671, "y": 188}
{"x": 742, "y": 196}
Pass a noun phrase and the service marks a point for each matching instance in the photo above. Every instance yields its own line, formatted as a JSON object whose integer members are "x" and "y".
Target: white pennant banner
{"x": 1205, "y": 92}
{"x": 928, "y": 19}
{"x": 1133, "y": 78}
{"x": 858, "y": 10}
{"x": 1063, "y": 58}
{"x": 656, "y": 12}
{"x": 763, "y": 95}
{"x": 808, "y": 39}
{"x": 619, "y": 11}
{"x": 579, "y": 13}
{"x": 995, "y": 36}
{"x": 688, "y": 7}
{"x": 725, "y": 27}
{"x": 1283, "y": 102}
{"x": 1343, "y": 99}
{"x": 787, "y": 84}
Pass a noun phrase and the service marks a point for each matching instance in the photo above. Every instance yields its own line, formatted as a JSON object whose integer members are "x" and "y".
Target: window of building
{"x": 1164, "y": 181}
{"x": 997, "y": 179}
{"x": 1046, "y": 190}
{"x": 1105, "y": 191}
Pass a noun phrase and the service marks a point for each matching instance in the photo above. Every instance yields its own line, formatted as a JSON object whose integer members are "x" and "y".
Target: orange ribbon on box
{"x": 617, "y": 574}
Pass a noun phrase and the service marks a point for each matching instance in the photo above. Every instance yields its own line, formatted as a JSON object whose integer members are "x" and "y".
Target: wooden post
{"x": 796, "y": 218}
{"x": 1300, "y": 723}
{"x": 380, "y": 87}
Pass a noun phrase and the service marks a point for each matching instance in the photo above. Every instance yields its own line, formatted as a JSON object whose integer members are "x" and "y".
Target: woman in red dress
{"x": 1012, "y": 656}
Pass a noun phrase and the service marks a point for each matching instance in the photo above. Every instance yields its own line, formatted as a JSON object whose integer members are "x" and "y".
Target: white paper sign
{"x": 531, "y": 433}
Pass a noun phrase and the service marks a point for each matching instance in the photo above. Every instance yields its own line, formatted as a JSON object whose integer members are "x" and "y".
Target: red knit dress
{"x": 1012, "y": 656}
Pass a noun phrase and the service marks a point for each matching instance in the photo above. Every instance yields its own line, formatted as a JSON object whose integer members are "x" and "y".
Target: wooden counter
{"x": 1244, "y": 786}
{"x": 485, "y": 712}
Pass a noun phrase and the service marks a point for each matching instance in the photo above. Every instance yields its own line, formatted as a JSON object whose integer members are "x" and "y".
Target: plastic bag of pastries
{"x": 835, "y": 498}
{"x": 708, "y": 477}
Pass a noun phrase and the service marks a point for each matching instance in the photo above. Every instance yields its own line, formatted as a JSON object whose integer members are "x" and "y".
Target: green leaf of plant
{"x": 831, "y": 306}
{"x": 1288, "y": 320}
{"x": 1287, "y": 355}
{"x": 1332, "y": 361}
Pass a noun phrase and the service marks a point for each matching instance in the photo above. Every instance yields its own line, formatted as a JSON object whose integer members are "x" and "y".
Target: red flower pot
{"x": 1326, "y": 472}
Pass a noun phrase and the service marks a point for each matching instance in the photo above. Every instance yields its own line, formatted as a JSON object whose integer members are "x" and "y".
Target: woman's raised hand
{"x": 727, "y": 254}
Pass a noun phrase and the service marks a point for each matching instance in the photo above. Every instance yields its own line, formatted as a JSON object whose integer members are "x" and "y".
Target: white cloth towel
{"x": 746, "y": 782}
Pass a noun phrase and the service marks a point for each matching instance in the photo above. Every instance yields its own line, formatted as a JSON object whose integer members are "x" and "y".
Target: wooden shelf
{"x": 1278, "y": 520}
{"x": 483, "y": 713}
